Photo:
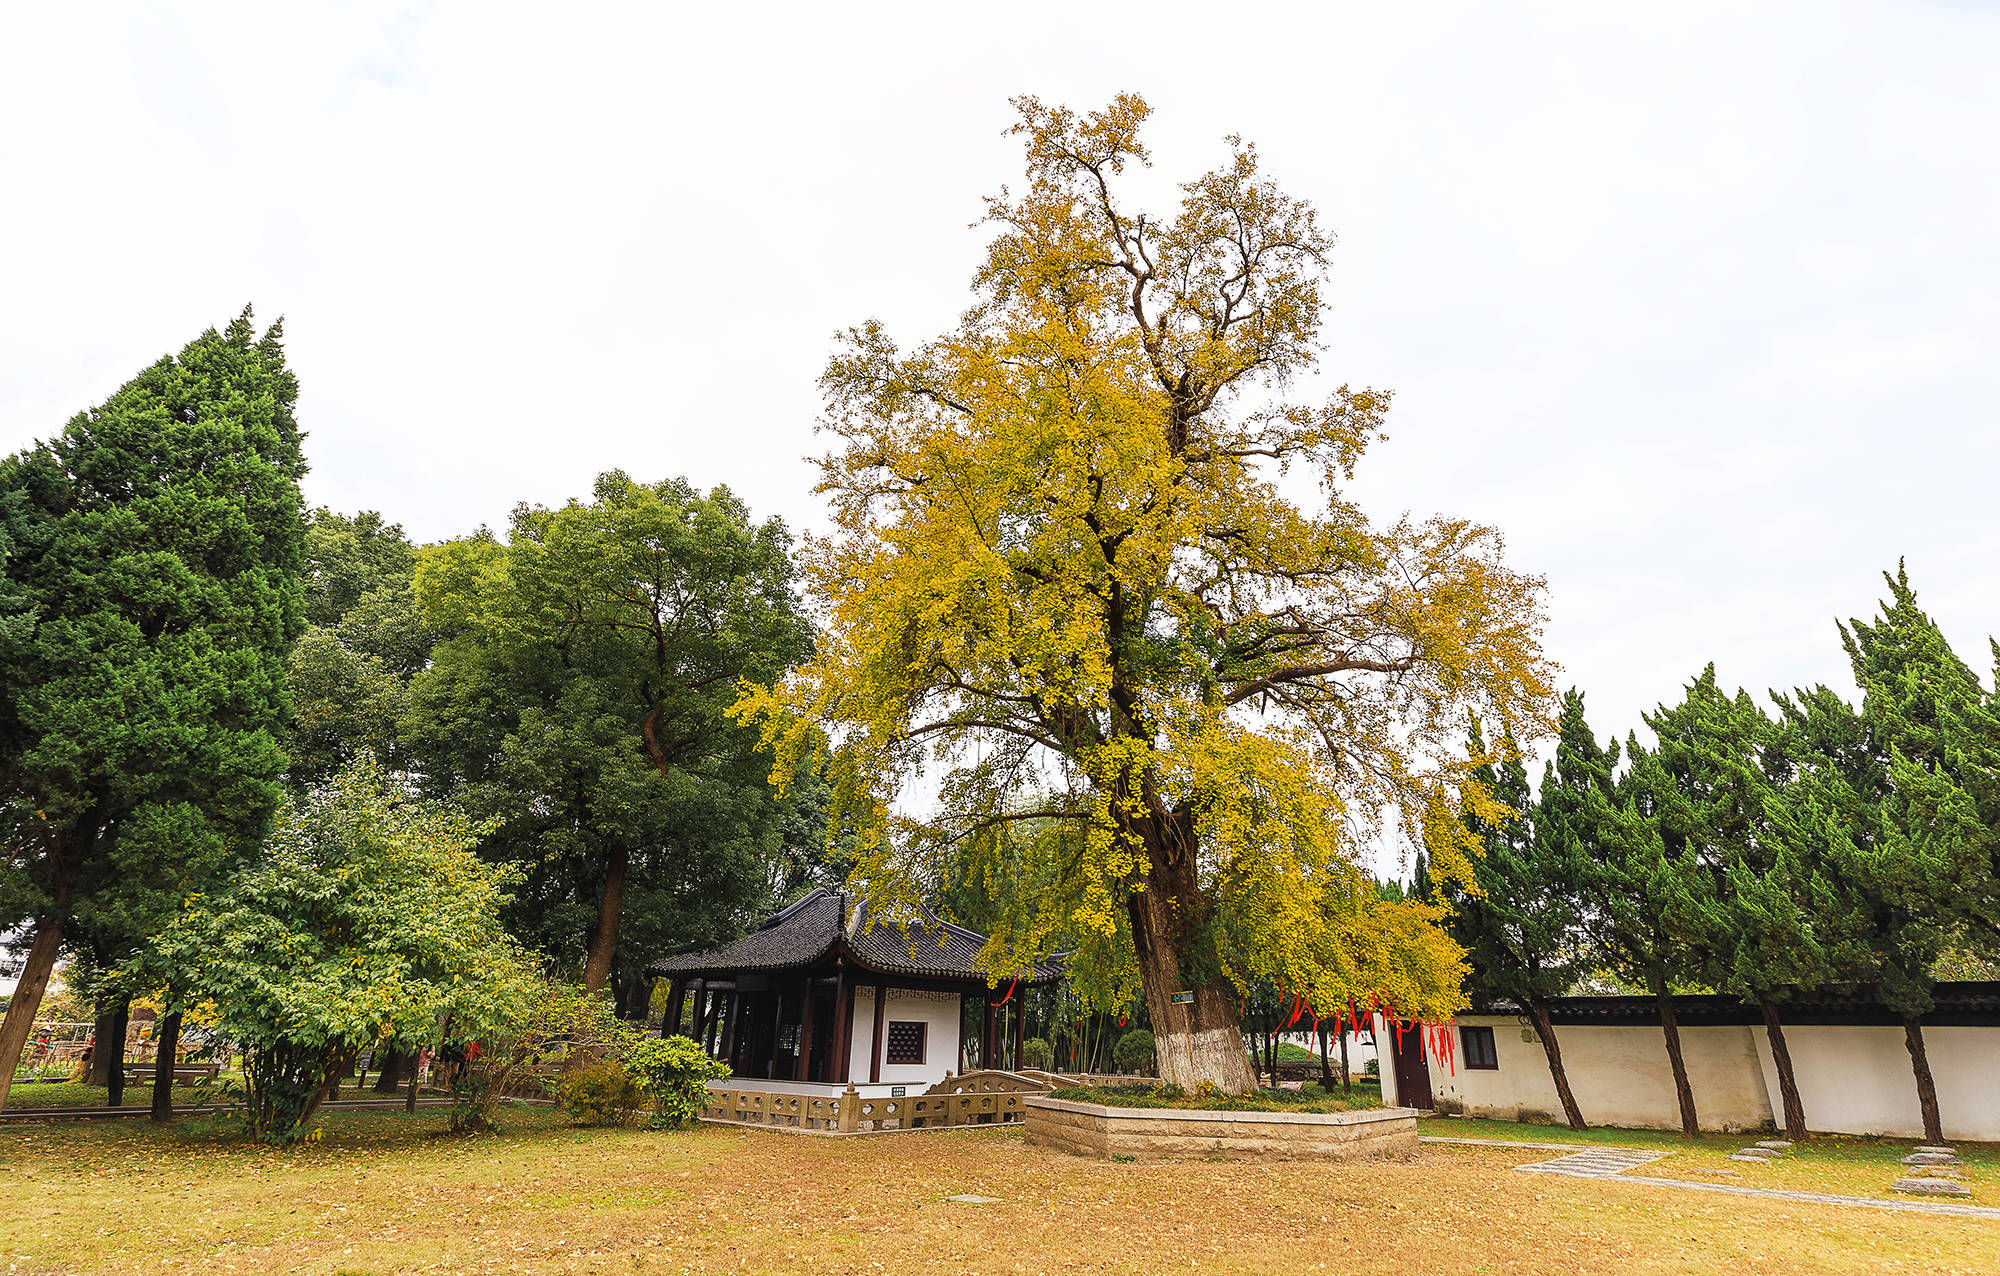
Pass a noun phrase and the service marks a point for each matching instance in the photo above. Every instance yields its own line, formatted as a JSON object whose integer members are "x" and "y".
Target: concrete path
{"x": 1586, "y": 1161}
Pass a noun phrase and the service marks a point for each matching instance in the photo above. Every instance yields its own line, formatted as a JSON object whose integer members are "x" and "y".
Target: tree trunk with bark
{"x": 1670, "y": 1025}
{"x": 1788, "y": 1084}
{"x": 1202, "y": 1040}
{"x": 112, "y": 1048}
{"x": 100, "y": 1037}
{"x": 163, "y": 1069}
{"x": 610, "y": 908}
{"x": 27, "y": 1002}
{"x": 1545, "y": 1028}
{"x": 1325, "y": 1058}
{"x": 389, "y": 1070}
{"x": 1346, "y": 1073}
{"x": 1920, "y": 1064}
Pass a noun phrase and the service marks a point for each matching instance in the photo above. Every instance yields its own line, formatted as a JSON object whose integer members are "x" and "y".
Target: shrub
{"x": 600, "y": 1092}
{"x": 559, "y": 1019}
{"x": 1134, "y": 1053}
{"x": 677, "y": 1072}
{"x": 1373, "y": 1068}
{"x": 1036, "y": 1053}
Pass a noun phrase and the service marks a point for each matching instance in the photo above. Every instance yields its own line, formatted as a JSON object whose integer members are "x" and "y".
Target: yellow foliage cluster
{"x": 1073, "y": 578}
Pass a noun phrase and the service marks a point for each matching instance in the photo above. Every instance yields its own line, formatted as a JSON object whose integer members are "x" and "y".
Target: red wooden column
{"x": 881, "y": 1011}
{"x": 843, "y": 1025}
{"x": 802, "y": 1062}
{"x": 1020, "y": 1031}
{"x": 676, "y": 1003}
{"x": 989, "y": 1049}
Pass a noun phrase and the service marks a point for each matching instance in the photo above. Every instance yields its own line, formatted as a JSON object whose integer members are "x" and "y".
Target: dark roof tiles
{"x": 811, "y": 929}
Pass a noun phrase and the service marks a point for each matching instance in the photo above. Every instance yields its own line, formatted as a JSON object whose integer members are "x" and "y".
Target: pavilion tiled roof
{"x": 826, "y": 923}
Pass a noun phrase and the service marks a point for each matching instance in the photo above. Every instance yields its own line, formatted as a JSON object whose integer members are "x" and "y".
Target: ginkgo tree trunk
{"x": 1066, "y": 575}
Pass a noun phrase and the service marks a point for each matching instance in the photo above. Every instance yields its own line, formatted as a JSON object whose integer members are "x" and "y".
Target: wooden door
{"x": 1413, "y": 1070}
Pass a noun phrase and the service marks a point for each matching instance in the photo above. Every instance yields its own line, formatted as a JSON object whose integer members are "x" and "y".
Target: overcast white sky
{"x": 1699, "y": 303}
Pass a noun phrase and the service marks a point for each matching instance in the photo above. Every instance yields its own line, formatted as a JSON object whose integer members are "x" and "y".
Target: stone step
{"x": 1932, "y": 1187}
{"x": 1776, "y": 1145}
{"x": 1931, "y": 1158}
{"x": 1931, "y": 1147}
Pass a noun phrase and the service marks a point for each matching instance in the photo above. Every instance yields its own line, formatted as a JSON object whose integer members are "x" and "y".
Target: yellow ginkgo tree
{"x": 1072, "y": 578}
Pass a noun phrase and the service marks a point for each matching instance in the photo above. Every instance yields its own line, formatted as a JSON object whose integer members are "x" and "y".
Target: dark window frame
{"x": 1476, "y": 1059}
{"x": 891, "y": 1046}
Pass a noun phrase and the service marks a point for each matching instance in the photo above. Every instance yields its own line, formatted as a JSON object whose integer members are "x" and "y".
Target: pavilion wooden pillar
{"x": 698, "y": 1029}
{"x": 881, "y": 1014}
{"x": 988, "y": 1048}
{"x": 676, "y": 1002}
{"x": 733, "y": 1015}
{"x": 802, "y": 1062}
{"x": 777, "y": 1029}
{"x": 1020, "y": 1031}
{"x": 843, "y": 1025}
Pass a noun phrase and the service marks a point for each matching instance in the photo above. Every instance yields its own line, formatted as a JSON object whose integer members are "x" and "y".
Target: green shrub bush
{"x": 676, "y": 1071}
{"x": 600, "y": 1092}
{"x": 1135, "y": 1053}
{"x": 1036, "y": 1053}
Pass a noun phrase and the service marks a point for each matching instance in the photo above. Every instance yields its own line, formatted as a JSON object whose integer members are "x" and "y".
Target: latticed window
{"x": 905, "y": 1042}
{"x": 1479, "y": 1049}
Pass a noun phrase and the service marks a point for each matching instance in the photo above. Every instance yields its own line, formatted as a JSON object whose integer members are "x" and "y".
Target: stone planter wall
{"x": 1092, "y": 1129}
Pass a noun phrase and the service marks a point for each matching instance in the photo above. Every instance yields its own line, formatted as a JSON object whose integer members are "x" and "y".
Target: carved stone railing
{"x": 975, "y": 1099}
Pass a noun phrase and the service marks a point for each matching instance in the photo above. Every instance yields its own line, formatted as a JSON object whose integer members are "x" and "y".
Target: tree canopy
{"x": 1068, "y": 570}
{"x": 578, "y": 695}
{"x": 153, "y": 574}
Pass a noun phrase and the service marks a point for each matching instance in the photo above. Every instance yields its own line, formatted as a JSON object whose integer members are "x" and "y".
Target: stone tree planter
{"x": 1093, "y": 1129}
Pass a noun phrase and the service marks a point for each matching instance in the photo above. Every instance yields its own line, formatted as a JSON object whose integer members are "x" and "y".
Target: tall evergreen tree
{"x": 157, "y": 545}
{"x": 1892, "y": 798}
{"x": 1523, "y": 928}
{"x": 1747, "y": 928}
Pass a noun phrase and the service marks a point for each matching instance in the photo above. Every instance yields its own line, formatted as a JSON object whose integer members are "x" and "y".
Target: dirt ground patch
{"x": 384, "y": 1192}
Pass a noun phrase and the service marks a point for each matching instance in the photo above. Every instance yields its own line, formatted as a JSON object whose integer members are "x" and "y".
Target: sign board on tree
{"x": 1185, "y": 998}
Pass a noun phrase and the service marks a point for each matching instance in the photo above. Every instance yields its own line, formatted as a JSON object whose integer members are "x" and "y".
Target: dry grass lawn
{"x": 1843, "y": 1165}
{"x": 384, "y": 1192}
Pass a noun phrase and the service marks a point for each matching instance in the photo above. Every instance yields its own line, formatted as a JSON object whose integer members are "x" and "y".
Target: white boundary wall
{"x": 938, "y": 1009}
{"x": 1852, "y": 1080}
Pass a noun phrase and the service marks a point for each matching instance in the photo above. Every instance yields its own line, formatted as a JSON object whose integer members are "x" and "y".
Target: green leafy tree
{"x": 368, "y": 922}
{"x": 1521, "y": 921}
{"x": 349, "y": 673}
{"x": 153, "y": 578}
{"x": 578, "y": 693}
{"x": 1889, "y": 799}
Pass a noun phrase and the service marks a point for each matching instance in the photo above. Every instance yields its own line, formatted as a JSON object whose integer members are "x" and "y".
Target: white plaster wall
{"x": 1620, "y": 1076}
{"x": 1857, "y": 1080}
{"x": 939, "y": 1010}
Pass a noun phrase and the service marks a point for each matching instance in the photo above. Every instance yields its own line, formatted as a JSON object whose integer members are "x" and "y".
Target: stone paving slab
{"x": 1689, "y": 1185}
{"x": 1597, "y": 1163}
{"x": 1931, "y": 1187}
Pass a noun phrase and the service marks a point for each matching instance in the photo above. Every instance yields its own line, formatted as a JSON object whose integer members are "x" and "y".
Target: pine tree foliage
{"x": 153, "y": 574}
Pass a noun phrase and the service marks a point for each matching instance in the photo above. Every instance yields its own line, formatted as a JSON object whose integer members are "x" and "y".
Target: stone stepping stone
{"x": 967, "y": 1198}
{"x": 1776, "y": 1145}
{"x": 1754, "y": 1160}
{"x": 1761, "y": 1153}
{"x": 1938, "y": 1171}
{"x": 1931, "y": 1147}
{"x": 1932, "y": 1187}
{"x": 1931, "y": 1158}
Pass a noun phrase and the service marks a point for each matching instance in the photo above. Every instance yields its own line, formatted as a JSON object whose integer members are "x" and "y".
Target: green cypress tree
{"x": 1897, "y": 802}
{"x": 1522, "y": 928}
{"x": 1747, "y": 929}
{"x": 157, "y": 546}
{"x": 1652, "y": 895}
